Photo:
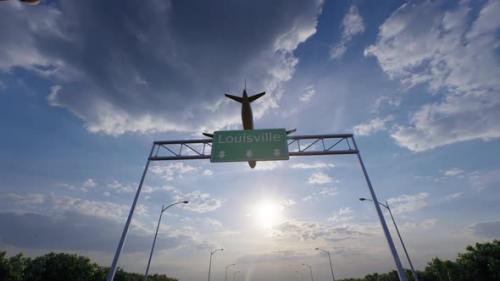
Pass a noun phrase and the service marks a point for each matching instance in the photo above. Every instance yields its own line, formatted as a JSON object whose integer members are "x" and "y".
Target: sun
{"x": 267, "y": 213}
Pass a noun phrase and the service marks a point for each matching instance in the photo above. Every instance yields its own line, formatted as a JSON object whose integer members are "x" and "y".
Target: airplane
{"x": 246, "y": 115}
{"x": 29, "y": 2}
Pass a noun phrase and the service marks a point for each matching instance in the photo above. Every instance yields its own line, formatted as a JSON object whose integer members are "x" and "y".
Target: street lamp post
{"x": 227, "y": 266}
{"x": 163, "y": 209}
{"x": 210, "y": 263}
{"x": 386, "y": 205}
{"x": 310, "y": 270}
{"x": 330, "y": 259}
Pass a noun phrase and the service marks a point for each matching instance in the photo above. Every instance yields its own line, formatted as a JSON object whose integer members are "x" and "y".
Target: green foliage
{"x": 480, "y": 262}
{"x": 62, "y": 267}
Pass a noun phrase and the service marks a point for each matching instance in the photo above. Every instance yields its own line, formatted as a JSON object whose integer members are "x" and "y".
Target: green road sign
{"x": 249, "y": 145}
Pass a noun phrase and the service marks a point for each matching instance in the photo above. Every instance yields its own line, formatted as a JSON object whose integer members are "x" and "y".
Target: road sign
{"x": 249, "y": 145}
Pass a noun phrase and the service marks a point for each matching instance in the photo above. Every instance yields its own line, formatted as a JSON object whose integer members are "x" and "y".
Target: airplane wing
{"x": 254, "y": 97}
{"x": 238, "y": 99}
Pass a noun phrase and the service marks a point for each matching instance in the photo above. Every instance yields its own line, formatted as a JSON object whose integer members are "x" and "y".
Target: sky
{"x": 87, "y": 86}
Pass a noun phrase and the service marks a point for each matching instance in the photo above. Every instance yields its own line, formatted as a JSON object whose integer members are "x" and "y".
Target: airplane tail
{"x": 250, "y": 99}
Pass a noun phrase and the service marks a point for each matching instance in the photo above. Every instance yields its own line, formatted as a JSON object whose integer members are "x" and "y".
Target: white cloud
{"x": 408, "y": 203}
{"x": 119, "y": 187}
{"x": 425, "y": 224}
{"x": 372, "y": 126}
{"x": 172, "y": 170}
{"x": 453, "y": 196}
{"x": 313, "y": 165}
{"x": 342, "y": 215}
{"x": 268, "y": 165}
{"x": 53, "y": 204}
{"x": 89, "y": 183}
{"x": 287, "y": 202}
{"x": 311, "y": 230}
{"x": 199, "y": 202}
{"x": 319, "y": 178}
{"x": 453, "y": 172}
{"x": 324, "y": 192}
{"x": 454, "y": 53}
{"x": 208, "y": 172}
{"x": 308, "y": 94}
{"x": 120, "y": 88}
{"x": 483, "y": 180}
{"x": 352, "y": 24}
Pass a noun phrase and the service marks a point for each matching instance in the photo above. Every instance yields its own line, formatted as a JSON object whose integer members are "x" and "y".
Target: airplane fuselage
{"x": 246, "y": 113}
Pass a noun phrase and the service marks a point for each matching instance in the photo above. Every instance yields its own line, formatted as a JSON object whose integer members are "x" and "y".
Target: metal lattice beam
{"x": 300, "y": 145}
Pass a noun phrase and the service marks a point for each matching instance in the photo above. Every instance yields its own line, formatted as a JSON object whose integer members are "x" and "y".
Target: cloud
{"x": 319, "y": 178}
{"x": 452, "y": 196}
{"x": 199, "y": 202}
{"x": 322, "y": 193}
{"x": 455, "y": 54}
{"x": 372, "y": 126}
{"x": 490, "y": 229}
{"x": 352, "y": 24}
{"x": 453, "y": 172}
{"x": 89, "y": 183}
{"x": 172, "y": 170}
{"x": 425, "y": 224}
{"x": 309, "y": 231}
{"x": 75, "y": 231}
{"x": 308, "y": 94}
{"x": 268, "y": 165}
{"x": 119, "y": 187}
{"x": 483, "y": 180}
{"x": 54, "y": 204}
{"x": 342, "y": 215}
{"x": 408, "y": 203}
{"x": 153, "y": 68}
{"x": 313, "y": 165}
{"x": 51, "y": 222}
{"x": 208, "y": 172}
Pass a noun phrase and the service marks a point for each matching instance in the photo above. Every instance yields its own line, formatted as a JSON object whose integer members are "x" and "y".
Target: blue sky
{"x": 86, "y": 87}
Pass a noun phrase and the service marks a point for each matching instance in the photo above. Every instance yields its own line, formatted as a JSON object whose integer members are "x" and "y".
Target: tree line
{"x": 62, "y": 267}
{"x": 480, "y": 262}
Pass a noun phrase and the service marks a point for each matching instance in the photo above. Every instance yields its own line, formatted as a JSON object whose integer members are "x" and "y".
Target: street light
{"x": 163, "y": 209}
{"x": 227, "y": 266}
{"x": 310, "y": 270}
{"x": 386, "y": 205}
{"x": 210, "y": 263}
{"x": 330, "y": 259}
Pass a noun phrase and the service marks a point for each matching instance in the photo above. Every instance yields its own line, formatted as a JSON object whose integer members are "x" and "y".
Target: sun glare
{"x": 267, "y": 213}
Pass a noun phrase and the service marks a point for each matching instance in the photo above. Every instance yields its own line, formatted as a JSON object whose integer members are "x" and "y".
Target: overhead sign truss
{"x": 299, "y": 145}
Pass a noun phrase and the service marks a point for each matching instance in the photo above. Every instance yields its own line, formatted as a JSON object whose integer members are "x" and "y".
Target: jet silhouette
{"x": 246, "y": 114}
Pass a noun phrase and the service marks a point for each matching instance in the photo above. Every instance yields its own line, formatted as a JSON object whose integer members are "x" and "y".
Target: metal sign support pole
{"x": 401, "y": 272}
{"x": 415, "y": 275}
{"x": 112, "y": 272}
